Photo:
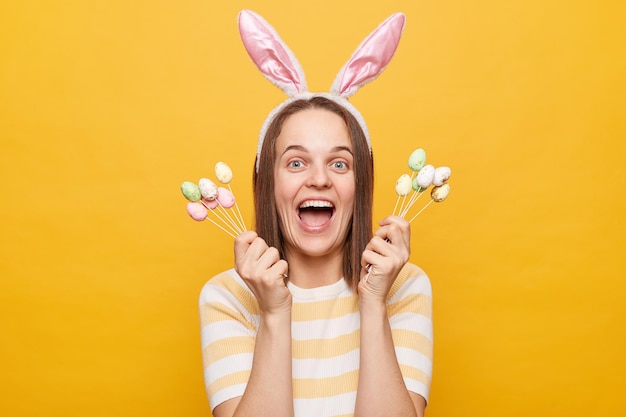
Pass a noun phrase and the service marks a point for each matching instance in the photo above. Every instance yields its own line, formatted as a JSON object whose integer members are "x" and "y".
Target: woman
{"x": 318, "y": 318}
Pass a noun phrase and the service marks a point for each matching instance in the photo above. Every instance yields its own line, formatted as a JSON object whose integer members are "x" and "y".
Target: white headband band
{"x": 279, "y": 65}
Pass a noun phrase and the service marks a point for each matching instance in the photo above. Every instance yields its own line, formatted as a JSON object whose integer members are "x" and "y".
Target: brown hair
{"x": 360, "y": 229}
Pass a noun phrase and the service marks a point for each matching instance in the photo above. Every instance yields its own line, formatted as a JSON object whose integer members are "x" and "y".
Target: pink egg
{"x": 225, "y": 197}
{"x": 197, "y": 211}
{"x": 210, "y": 204}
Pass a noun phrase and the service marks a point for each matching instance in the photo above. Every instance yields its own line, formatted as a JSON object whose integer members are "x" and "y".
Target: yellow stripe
{"x": 325, "y": 310}
{"x": 414, "y": 373}
{"x": 211, "y": 313}
{"x": 408, "y": 271}
{"x": 245, "y": 297}
{"x": 229, "y": 380}
{"x": 421, "y": 304}
{"x": 227, "y": 347}
{"x": 325, "y": 348}
{"x": 325, "y": 387}
{"x": 412, "y": 340}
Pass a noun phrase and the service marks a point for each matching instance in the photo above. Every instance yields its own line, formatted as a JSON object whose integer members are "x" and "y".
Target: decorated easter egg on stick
{"x": 442, "y": 174}
{"x": 225, "y": 197}
{"x": 417, "y": 159}
{"x": 426, "y": 176}
{"x": 223, "y": 173}
{"x": 190, "y": 191}
{"x": 403, "y": 185}
{"x": 208, "y": 189}
{"x": 440, "y": 193}
{"x": 197, "y": 211}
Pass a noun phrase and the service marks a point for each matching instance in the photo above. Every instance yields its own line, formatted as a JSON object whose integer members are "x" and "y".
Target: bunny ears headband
{"x": 279, "y": 65}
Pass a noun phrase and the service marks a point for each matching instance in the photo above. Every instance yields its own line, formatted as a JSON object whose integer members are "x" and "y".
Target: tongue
{"x": 315, "y": 217}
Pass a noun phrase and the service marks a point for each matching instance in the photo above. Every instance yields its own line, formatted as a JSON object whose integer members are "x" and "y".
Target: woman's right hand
{"x": 260, "y": 266}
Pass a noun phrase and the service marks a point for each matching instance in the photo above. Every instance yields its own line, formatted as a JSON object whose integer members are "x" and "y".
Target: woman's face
{"x": 314, "y": 182}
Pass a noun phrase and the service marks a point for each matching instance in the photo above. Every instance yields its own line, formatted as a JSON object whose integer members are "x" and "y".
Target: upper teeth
{"x": 316, "y": 203}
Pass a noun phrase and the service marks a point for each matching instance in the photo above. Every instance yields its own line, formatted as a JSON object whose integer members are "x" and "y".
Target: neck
{"x": 310, "y": 272}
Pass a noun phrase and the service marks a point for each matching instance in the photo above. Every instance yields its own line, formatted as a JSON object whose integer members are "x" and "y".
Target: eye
{"x": 341, "y": 165}
{"x": 295, "y": 164}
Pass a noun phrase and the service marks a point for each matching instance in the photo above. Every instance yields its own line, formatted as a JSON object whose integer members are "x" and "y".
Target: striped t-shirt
{"x": 325, "y": 340}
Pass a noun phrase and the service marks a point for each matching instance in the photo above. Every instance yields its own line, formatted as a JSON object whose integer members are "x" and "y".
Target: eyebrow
{"x": 303, "y": 149}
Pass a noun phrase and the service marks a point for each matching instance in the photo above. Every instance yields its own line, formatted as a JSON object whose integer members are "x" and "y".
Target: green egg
{"x": 417, "y": 160}
{"x": 416, "y": 186}
{"x": 191, "y": 191}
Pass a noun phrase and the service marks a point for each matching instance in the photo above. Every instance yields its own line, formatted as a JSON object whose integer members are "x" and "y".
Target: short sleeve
{"x": 229, "y": 322}
{"x": 410, "y": 315}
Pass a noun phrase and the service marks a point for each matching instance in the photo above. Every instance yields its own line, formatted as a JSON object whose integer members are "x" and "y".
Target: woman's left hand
{"x": 383, "y": 258}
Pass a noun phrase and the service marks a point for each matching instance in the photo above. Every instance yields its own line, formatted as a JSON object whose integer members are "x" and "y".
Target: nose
{"x": 318, "y": 177}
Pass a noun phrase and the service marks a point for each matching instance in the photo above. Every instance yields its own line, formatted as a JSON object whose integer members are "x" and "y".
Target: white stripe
{"x": 320, "y": 329}
{"x": 209, "y": 289}
{"x": 417, "y": 387}
{"x": 226, "y": 394}
{"x": 231, "y": 273}
{"x": 215, "y": 293}
{"x": 227, "y": 366}
{"x": 214, "y": 332}
{"x": 326, "y": 407}
{"x": 326, "y": 368}
{"x": 415, "y": 359}
{"x": 334, "y": 291}
{"x": 414, "y": 323}
{"x": 414, "y": 285}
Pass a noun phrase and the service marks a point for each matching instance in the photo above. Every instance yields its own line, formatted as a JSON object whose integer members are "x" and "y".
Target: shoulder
{"x": 224, "y": 281}
{"x": 227, "y": 297}
{"x": 227, "y": 288}
{"x": 411, "y": 279}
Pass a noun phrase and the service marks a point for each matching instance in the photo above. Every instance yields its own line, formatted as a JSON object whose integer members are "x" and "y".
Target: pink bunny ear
{"x": 270, "y": 54}
{"x": 370, "y": 58}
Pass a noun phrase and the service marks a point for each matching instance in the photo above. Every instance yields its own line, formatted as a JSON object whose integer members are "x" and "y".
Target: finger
{"x": 255, "y": 252}
{"x": 268, "y": 258}
{"x": 370, "y": 258}
{"x": 380, "y": 245}
{"x": 394, "y": 228}
{"x": 397, "y": 237}
{"x": 280, "y": 269}
{"x": 243, "y": 242}
{"x": 393, "y": 219}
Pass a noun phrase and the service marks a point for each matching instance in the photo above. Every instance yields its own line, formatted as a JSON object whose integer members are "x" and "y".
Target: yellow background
{"x": 107, "y": 106}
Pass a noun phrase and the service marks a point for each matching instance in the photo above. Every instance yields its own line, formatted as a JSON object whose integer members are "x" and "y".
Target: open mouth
{"x": 316, "y": 213}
